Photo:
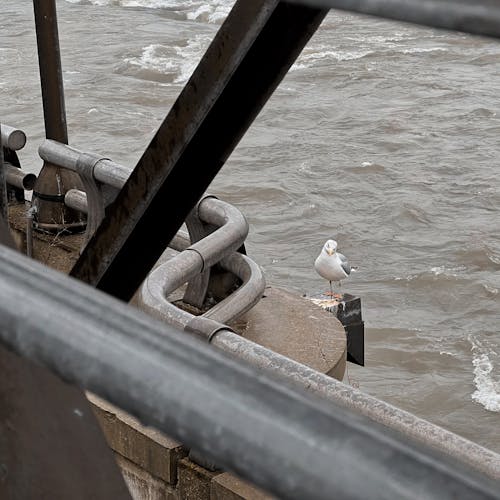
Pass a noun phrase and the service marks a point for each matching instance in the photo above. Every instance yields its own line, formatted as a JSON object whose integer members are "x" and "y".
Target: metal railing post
{"x": 53, "y": 182}
{"x": 4, "y": 202}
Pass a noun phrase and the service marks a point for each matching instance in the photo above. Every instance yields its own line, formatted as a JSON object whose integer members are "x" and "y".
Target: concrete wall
{"x": 156, "y": 467}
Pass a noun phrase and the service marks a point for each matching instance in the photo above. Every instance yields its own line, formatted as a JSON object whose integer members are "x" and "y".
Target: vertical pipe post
{"x": 4, "y": 202}
{"x": 53, "y": 182}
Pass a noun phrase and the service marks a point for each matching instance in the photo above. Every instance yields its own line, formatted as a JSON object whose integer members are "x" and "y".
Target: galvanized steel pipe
{"x": 103, "y": 169}
{"x": 327, "y": 387}
{"x": 12, "y": 138}
{"x": 19, "y": 178}
{"x": 232, "y": 229}
{"x": 277, "y": 436}
{"x": 481, "y": 17}
{"x": 240, "y": 301}
{"x": 195, "y": 258}
{"x": 154, "y": 301}
{"x": 228, "y": 237}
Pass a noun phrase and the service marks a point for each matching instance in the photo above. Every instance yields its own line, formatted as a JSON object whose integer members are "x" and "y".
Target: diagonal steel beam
{"x": 248, "y": 58}
{"x": 481, "y": 17}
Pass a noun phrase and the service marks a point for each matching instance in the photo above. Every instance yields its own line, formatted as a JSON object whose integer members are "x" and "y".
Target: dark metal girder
{"x": 480, "y": 17}
{"x": 49, "y": 55}
{"x": 248, "y": 58}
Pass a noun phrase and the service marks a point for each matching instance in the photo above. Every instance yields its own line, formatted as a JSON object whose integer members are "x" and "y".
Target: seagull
{"x": 332, "y": 265}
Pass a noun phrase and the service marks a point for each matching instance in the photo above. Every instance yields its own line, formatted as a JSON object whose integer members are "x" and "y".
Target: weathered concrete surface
{"x": 194, "y": 481}
{"x": 144, "y": 446}
{"x": 228, "y": 487}
{"x": 58, "y": 251}
{"x": 143, "y": 485}
{"x": 298, "y": 329}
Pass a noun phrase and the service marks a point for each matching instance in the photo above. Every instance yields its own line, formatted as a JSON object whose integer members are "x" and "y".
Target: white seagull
{"x": 332, "y": 265}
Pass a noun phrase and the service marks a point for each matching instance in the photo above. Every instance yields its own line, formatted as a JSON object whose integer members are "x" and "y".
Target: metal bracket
{"x": 97, "y": 194}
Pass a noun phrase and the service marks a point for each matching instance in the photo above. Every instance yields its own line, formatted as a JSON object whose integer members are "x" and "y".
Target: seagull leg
{"x": 333, "y": 295}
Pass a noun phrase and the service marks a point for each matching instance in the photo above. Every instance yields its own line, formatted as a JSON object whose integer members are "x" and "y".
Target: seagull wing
{"x": 344, "y": 263}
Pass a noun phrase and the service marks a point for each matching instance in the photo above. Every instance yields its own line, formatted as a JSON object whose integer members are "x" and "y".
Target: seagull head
{"x": 330, "y": 247}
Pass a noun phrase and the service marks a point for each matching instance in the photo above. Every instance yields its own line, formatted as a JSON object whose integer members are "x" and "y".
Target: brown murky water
{"x": 383, "y": 135}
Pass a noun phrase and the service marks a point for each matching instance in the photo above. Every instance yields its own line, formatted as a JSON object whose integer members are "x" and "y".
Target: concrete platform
{"x": 298, "y": 329}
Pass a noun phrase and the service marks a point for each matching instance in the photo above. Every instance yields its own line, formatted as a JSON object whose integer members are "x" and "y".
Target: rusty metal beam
{"x": 248, "y": 58}
{"x": 53, "y": 182}
{"x": 481, "y": 17}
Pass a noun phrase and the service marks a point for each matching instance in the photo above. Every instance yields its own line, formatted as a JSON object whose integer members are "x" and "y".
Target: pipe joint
{"x": 205, "y": 328}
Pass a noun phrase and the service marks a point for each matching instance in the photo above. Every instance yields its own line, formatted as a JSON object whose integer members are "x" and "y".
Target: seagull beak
{"x": 329, "y": 251}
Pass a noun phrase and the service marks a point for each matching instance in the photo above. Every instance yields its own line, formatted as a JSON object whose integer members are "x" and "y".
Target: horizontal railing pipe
{"x": 275, "y": 435}
{"x": 104, "y": 170}
{"x": 152, "y": 299}
{"x": 19, "y": 178}
{"x": 12, "y": 138}
{"x": 156, "y": 304}
{"x": 480, "y": 17}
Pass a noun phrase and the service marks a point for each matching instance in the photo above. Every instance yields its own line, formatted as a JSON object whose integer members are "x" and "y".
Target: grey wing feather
{"x": 344, "y": 263}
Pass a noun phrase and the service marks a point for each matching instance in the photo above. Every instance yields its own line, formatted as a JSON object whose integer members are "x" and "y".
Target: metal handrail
{"x": 273, "y": 434}
{"x": 481, "y": 17}
{"x": 164, "y": 280}
{"x": 101, "y": 168}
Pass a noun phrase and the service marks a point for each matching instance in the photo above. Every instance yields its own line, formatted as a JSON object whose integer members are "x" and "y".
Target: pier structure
{"x": 212, "y": 369}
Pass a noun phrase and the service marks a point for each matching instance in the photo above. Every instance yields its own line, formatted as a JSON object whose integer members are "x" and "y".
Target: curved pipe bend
{"x": 218, "y": 246}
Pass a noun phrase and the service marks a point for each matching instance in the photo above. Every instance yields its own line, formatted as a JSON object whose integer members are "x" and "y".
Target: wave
{"x": 312, "y": 56}
{"x": 434, "y": 274}
{"x": 423, "y": 50}
{"x": 166, "y": 64}
{"x": 482, "y": 257}
{"x": 214, "y": 11}
{"x": 485, "y": 360}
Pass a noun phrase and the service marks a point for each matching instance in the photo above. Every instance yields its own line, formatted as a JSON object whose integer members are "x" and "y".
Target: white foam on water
{"x": 447, "y": 271}
{"x": 189, "y": 56}
{"x": 153, "y": 58}
{"x": 214, "y": 11}
{"x": 314, "y": 55}
{"x": 211, "y": 12}
{"x": 422, "y": 50}
{"x": 487, "y": 384}
{"x": 178, "y": 61}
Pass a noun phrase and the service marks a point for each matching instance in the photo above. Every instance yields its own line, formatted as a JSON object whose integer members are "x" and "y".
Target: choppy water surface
{"x": 383, "y": 135}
